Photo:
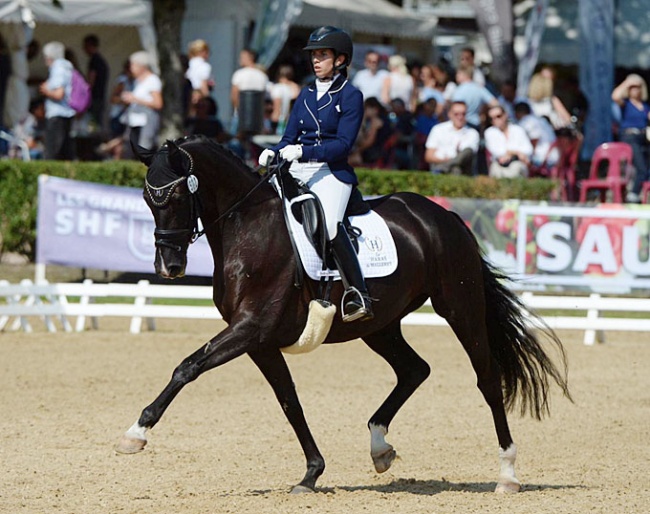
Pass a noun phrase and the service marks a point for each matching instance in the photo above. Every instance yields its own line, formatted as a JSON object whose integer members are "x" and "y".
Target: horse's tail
{"x": 524, "y": 363}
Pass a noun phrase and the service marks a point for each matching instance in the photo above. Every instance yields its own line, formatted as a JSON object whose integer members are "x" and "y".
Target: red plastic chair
{"x": 645, "y": 192}
{"x": 618, "y": 156}
{"x": 566, "y": 168}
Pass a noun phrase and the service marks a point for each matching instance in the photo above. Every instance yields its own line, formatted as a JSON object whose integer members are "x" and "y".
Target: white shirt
{"x": 142, "y": 90}
{"x": 198, "y": 71}
{"x": 497, "y": 143}
{"x": 370, "y": 85}
{"x": 250, "y": 79}
{"x": 541, "y": 130}
{"x": 448, "y": 141}
{"x": 401, "y": 86}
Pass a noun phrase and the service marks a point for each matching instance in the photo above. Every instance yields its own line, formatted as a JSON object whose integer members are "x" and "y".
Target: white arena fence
{"x": 57, "y": 305}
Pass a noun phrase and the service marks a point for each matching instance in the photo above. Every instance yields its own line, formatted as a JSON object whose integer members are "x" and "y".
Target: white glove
{"x": 266, "y": 156}
{"x": 291, "y": 152}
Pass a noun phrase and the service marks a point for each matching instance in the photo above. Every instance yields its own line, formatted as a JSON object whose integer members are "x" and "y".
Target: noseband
{"x": 179, "y": 239}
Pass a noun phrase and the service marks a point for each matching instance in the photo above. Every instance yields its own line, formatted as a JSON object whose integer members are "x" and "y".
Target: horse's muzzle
{"x": 170, "y": 264}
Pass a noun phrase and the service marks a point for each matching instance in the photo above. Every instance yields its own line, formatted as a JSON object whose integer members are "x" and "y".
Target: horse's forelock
{"x": 160, "y": 172}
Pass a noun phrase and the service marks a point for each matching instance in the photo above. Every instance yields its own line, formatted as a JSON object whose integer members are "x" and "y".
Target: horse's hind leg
{"x": 411, "y": 371}
{"x": 274, "y": 368}
{"x": 468, "y": 323}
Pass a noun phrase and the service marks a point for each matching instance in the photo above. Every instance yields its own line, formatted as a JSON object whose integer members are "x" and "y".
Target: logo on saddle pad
{"x": 374, "y": 243}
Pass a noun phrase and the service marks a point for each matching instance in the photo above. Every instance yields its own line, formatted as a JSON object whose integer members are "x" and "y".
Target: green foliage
{"x": 19, "y": 188}
{"x": 381, "y": 182}
{"x": 19, "y": 191}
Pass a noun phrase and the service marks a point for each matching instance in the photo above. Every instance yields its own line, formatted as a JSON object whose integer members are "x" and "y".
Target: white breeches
{"x": 332, "y": 193}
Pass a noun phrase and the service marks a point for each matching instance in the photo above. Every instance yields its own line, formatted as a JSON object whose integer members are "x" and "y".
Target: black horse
{"x": 254, "y": 290}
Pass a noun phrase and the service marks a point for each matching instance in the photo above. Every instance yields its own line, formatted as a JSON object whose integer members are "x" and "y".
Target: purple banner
{"x": 104, "y": 227}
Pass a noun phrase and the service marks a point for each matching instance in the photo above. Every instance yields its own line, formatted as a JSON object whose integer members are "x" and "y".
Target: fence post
{"x": 591, "y": 336}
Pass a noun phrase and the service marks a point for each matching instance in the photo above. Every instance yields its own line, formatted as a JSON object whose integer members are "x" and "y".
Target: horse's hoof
{"x": 301, "y": 489}
{"x": 384, "y": 460}
{"x": 128, "y": 445}
{"x": 507, "y": 487}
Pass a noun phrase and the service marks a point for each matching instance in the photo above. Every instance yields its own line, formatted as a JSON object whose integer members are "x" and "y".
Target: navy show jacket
{"x": 328, "y": 128}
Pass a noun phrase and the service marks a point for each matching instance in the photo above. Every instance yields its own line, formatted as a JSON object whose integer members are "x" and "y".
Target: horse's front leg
{"x": 225, "y": 346}
{"x": 274, "y": 368}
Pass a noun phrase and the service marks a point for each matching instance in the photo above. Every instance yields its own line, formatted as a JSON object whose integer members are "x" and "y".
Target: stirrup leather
{"x": 357, "y": 303}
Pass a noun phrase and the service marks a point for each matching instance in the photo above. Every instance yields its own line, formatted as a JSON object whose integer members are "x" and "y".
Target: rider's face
{"x": 323, "y": 63}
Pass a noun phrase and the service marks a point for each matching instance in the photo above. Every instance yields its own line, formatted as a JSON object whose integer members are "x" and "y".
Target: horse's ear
{"x": 145, "y": 155}
{"x": 175, "y": 156}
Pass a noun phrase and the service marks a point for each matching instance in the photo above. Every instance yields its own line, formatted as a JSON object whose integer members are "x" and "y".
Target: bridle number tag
{"x": 192, "y": 183}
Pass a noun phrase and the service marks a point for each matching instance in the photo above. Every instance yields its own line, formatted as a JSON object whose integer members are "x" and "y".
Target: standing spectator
{"x": 473, "y": 95}
{"x": 398, "y": 83}
{"x": 249, "y": 77}
{"x": 541, "y": 135}
{"x": 429, "y": 89}
{"x": 145, "y": 103}
{"x": 374, "y": 132}
{"x": 370, "y": 79}
{"x": 508, "y": 146}
{"x": 97, "y": 77}
{"x": 199, "y": 72}
{"x": 632, "y": 95}
{"x": 58, "y": 113}
{"x": 467, "y": 60}
{"x": 117, "y": 114}
{"x": 452, "y": 145}
{"x": 444, "y": 82}
{"x": 283, "y": 93}
{"x": 5, "y": 73}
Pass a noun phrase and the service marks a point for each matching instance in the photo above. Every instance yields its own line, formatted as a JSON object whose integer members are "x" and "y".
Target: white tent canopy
{"x": 369, "y": 16}
{"x": 123, "y": 26}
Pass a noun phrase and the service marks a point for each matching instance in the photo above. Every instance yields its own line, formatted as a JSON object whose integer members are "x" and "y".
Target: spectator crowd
{"x": 443, "y": 117}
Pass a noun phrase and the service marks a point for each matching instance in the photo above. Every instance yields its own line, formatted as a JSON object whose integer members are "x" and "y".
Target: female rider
{"x": 320, "y": 133}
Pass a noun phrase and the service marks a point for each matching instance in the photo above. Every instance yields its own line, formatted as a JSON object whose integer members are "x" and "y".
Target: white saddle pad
{"x": 377, "y": 252}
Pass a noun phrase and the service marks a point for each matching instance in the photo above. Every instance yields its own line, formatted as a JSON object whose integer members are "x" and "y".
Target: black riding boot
{"x": 356, "y": 303}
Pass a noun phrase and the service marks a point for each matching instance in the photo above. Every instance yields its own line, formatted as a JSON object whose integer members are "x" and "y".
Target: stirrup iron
{"x": 360, "y": 303}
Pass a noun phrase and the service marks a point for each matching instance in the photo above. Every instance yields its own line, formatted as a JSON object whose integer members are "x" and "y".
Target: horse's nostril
{"x": 174, "y": 272}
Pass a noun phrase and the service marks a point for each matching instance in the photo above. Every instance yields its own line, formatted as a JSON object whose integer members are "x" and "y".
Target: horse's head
{"x": 171, "y": 193}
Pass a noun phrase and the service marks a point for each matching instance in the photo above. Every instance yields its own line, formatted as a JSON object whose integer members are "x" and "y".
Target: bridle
{"x": 180, "y": 238}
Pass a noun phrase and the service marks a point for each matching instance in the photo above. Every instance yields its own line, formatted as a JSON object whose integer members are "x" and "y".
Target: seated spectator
{"x": 452, "y": 145}
{"x": 508, "y": 145}
{"x": 31, "y": 130}
{"x": 375, "y": 131}
{"x": 508, "y": 98}
{"x": 403, "y": 131}
{"x": 425, "y": 119}
{"x": 541, "y": 135}
{"x": 205, "y": 121}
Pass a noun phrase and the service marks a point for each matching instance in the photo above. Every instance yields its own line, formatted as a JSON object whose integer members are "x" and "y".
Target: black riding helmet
{"x": 334, "y": 38}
